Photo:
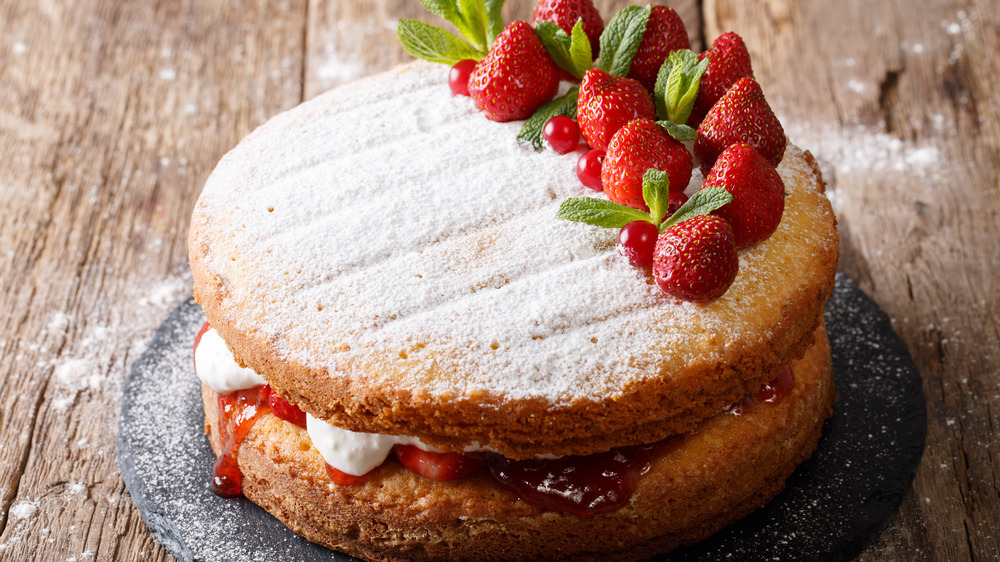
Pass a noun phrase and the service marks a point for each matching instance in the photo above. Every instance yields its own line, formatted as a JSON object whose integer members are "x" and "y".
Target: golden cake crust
{"x": 728, "y": 467}
{"x": 694, "y": 359}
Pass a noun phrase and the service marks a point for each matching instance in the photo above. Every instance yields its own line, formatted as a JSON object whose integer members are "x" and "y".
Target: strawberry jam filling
{"x": 238, "y": 411}
{"x": 580, "y": 485}
{"x": 779, "y": 388}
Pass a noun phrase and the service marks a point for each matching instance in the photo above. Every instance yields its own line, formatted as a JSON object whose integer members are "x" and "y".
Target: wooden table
{"x": 113, "y": 112}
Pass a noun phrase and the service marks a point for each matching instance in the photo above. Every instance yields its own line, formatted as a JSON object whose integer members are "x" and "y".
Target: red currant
{"x": 458, "y": 78}
{"x": 588, "y": 169}
{"x": 636, "y": 242}
{"x": 676, "y": 201}
{"x": 562, "y": 134}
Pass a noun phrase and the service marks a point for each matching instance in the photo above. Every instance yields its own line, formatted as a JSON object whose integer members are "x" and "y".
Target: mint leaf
{"x": 677, "y": 84}
{"x": 430, "y": 43}
{"x": 557, "y": 44}
{"x": 570, "y": 52}
{"x": 599, "y": 212}
{"x": 656, "y": 193}
{"x": 621, "y": 38}
{"x": 445, "y": 9}
{"x": 580, "y": 50}
{"x": 471, "y": 22}
{"x": 479, "y": 21}
{"x": 679, "y": 132}
{"x": 660, "y": 88}
{"x": 494, "y": 21}
{"x": 531, "y": 131}
{"x": 703, "y": 202}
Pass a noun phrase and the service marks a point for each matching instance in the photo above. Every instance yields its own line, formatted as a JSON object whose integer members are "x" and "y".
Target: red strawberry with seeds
{"x": 606, "y": 103}
{"x": 757, "y": 189}
{"x": 664, "y": 33}
{"x": 728, "y": 61}
{"x": 516, "y": 77}
{"x": 696, "y": 260}
{"x": 636, "y": 147}
{"x": 742, "y": 115}
{"x": 565, "y": 14}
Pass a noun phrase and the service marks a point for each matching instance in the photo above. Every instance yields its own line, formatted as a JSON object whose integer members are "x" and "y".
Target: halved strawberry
{"x": 565, "y": 14}
{"x": 438, "y": 466}
{"x": 345, "y": 479}
{"x": 664, "y": 33}
{"x": 516, "y": 77}
{"x": 606, "y": 103}
{"x": 696, "y": 260}
{"x": 285, "y": 409}
{"x": 742, "y": 115}
{"x": 757, "y": 189}
{"x": 197, "y": 340}
{"x": 728, "y": 61}
{"x": 635, "y": 148}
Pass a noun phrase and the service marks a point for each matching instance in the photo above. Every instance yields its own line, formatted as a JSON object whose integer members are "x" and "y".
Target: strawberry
{"x": 285, "y": 409}
{"x": 636, "y": 147}
{"x": 728, "y": 61}
{"x": 438, "y": 466}
{"x": 696, "y": 260}
{"x": 516, "y": 77}
{"x": 197, "y": 340}
{"x": 345, "y": 479}
{"x": 664, "y": 33}
{"x": 565, "y": 14}
{"x": 742, "y": 115}
{"x": 757, "y": 189}
{"x": 606, "y": 103}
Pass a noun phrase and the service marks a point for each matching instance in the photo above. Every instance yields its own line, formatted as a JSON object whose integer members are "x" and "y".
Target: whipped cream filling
{"x": 357, "y": 453}
{"x": 353, "y": 452}
{"x": 215, "y": 366}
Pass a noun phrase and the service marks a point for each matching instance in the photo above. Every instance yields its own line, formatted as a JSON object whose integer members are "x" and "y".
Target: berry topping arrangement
{"x": 646, "y": 108}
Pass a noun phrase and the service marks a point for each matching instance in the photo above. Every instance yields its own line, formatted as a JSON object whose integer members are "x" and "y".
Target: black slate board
{"x": 834, "y": 505}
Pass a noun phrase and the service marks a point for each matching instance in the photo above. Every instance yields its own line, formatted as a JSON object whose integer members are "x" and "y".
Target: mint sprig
{"x": 570, "y": 51}
{"x": 599, "y": 212}
{"x": 531, "y": 131}
{"x": 679, "y": 132}
{"x": 470, "y": 18}
{"x": 655, "y": 193}
{"x": 479, "y": 22}
{"x": 431, "y": 43}
{"x": 677, "y": 85}
{"x": 621, "y": 38}
{"x": 703, "y": 202}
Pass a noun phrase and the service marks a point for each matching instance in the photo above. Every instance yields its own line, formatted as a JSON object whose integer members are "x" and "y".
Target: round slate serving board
{"x": 835, "y": 503}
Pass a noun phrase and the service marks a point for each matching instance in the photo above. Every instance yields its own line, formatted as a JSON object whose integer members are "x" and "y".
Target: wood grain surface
{"x": 113, "y": 113}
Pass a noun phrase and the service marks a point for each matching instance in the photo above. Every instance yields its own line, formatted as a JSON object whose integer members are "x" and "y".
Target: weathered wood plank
{"x": 111, "y": 116}
{"x": 897, "y": 99}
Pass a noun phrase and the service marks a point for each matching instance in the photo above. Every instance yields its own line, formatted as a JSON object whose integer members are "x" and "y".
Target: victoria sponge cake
{"x": 409, "y": 356}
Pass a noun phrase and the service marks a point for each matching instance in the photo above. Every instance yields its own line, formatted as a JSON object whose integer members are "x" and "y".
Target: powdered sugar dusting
{"x": 24, "y": 509}
{"x": 356, "y": 234}
{"x": 862, "y": 149}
